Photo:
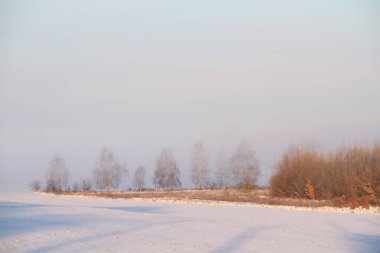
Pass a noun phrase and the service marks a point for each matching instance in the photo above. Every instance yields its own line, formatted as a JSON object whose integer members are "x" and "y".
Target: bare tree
{"x": 223, "y": 171}
{"x": 108, "y": 172}
{"x": 139, "y": 181}
{"x": 86, "y": 185}
{"x": 167, "y": 172}
{"x": 244, "y": 166}
{"x": 199, "y": 166}
{"x": 36, "y": 185}
{"x": 76, "y": 187}
{"x": 57, "y": 176}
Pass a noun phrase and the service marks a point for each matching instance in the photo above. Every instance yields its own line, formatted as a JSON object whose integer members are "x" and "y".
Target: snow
{"x": 47, "y": 223}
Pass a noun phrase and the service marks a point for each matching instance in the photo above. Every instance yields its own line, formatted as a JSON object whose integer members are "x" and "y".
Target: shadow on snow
{"x": 18, "y": 219}
{"x": 135, "y": 209}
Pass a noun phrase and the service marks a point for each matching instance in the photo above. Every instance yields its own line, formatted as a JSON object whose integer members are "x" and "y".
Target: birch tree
{"x": 244, "y": 166}
{"x": 223, "y": 171}
{"x": 199, "y": 166}
{"x": 57, "y": 176}
{"x": 139, "y": 181}
{"x": 108, "y": 172}
{"x": 167, "y": 173}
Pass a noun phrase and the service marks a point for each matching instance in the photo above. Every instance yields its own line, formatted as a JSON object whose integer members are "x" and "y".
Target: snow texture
{"x": 47, "y": 223}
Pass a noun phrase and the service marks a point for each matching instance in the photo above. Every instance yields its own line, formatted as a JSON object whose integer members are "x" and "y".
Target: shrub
{"x": 367, "y": 188}
{"x": 352, "y": 172}
{"x": 296, "y": 168}
{"x": 309, "y": 190}
{"x": 36, "y": 185}
{"x": 339, "y": 201}
{"x": 364, "y": 201}
{"x": 354, "y": 202}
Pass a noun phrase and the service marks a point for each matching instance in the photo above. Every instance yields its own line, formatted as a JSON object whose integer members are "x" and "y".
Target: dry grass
{"x": 258, "y": 196}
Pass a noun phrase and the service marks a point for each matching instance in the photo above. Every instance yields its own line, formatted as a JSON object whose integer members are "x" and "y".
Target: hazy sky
{"x": 139, "y": 76}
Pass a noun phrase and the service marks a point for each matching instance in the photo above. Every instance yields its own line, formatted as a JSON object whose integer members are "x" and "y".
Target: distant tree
{"x": 211, "y": 184}
{"x": 108, "y": 172}
{"x": 36, "y": 185}
{"x": 244, "y": 166}
{"x": 199, "y": 166}
{"x": 139, "y": 181}
{"x": 76, "y": 187}
{"x": 68, "y": 188}
{"x": 57, "y": 176}
{"x": 167, "y": 172}
{"x": 223, "y": 171}
{"x": 86, "y": 185}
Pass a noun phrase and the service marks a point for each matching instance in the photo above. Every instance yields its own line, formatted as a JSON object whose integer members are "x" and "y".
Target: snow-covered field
{"x": 46, "y": 223}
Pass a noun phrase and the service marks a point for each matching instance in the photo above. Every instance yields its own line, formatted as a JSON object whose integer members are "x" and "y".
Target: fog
{"x": 140, "y": 76}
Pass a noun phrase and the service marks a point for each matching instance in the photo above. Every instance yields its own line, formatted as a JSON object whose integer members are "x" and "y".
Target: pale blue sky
{"x": 138, "y": 76}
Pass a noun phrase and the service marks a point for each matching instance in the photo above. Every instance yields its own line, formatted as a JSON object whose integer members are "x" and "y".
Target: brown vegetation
{"x": 345, "y": 176}
{"x": 257, "y": 196}
{"x": 309, "y": 190}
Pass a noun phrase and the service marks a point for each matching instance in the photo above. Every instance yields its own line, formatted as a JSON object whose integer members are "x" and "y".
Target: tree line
{"x": 240, "y": 170}
{"x": 349, "y": 175}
